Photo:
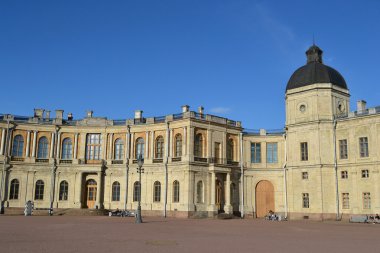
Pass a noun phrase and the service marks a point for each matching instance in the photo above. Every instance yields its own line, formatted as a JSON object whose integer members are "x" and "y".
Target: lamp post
{"x": 140, "y": 162}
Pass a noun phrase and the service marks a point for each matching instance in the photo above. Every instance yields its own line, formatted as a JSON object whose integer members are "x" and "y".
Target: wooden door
{"x": 91, "y": 193}
{"x": 264, "y": 198}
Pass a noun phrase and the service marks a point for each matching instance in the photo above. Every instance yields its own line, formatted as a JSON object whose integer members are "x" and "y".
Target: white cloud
{"x": 221, "y": 110}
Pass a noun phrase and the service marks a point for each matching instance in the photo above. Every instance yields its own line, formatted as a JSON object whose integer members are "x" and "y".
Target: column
{"x": 190, "y": 142}
{"x": 34, "y": 143}
{"x": 227, "y": 193}
{"x": 3, "y": 133}
{"x": 110, "y": 146}
{"x": 9, "y": 141}
{"x": 132, "y": 153}
{"x": 170, "y": 144}
{"x": 79, "y": 179}
{"x": 209, "y": 143}
{"x": 212, "y": 190}
{"x": 58, "y": 155}
{"x": 152, "y": 145}
{"x": 52, "y": 145}
{"x": 127, "y": 146}
{"x": 104, "y": 146}
{"x": 99, "y": 202}
{"x": 75, "y": 145}
{"x": 184, "y": 141}
{"x": 224, "y": 147}
{"x": 27, "y": 144}
{"x": 82, "y": 146}
{"x": 147, "y": 145}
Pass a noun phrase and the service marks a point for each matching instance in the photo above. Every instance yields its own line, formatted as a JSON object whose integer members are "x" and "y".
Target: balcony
{"x": 17, "y": 159}
{"x": 200, "y": 159}
{"x": 232, "y": 162}
{"x": 158, "y": 160}
{"x": 216, "y": 160}
{"x": 176, "y": 159}
{"x": 65, "y": 161}
{"x": 42, "y": 160}
{"x": 117, "y": 162}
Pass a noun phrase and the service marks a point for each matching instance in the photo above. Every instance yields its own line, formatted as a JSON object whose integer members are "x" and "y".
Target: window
{"x": 139, "y": 148}
{"x": 198, "y": 145}
{"x": 13, "y": 193}
{"x": 18, "y": 146}
{"x": 345, "y": 200}
{"x": 271, "y": 152}
{"x": 200, "y": 192}
{"x": 43, "y": 148}
{"x": 136, "y": 191}
{"x": 343, "y": 154}
{"x": 94, "y": 146}
{"x": 67, "y": 150}
{"x": 255, "y": 152}
{"x": 119, "y": 149}
{"x": 305, "y": 175}
{"x": 366, "y": 200}
{"x": 157, "y": 192}
{"x": 178, "y": 145}
{"x": 365, "y": 174}
{"x": 159, "y": 147}
{"x": 63, "y": 190}
{"x": 230, "y": 149}
{"x": 305, "y": 200}
{"x": 344, "y": 174}
{"x": 39, "y": 191}
{"x": 304, "y": 152}
{"x": 363, "y": 143}
{"x": 116, "y": 191}
{"x": 175, "y": 191}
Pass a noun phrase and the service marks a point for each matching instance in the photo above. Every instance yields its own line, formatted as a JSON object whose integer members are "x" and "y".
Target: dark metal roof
{"x": 315, "y": 72}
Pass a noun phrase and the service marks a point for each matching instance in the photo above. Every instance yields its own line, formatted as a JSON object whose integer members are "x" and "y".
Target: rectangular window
{"x": 365, "y": 173}
{"x": 305, "y": 200}
{"x": 344, "y": 174}
{"x": 255, "y": 152}
{"x": 345, "y": 200}
{"x": 272, "y": 153}
{"x": 343, "y": 149}
{"x": 305, "y": 175}
{"x": 366, "y": 200}
{"x": 363, "y": 144}
{"x": 304, "y": 152}
{"x": 94, "y": 146}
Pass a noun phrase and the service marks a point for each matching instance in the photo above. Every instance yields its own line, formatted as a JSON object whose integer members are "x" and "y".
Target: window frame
{"x": 139, "y": 147}
{"x": 157, "y": 191}
{"x": 363, "y": 147}
{"x": 198, "y": 145}
{"x": 365, "y": 173}
{"x": 63, "y": 190}
{"x": 304, "y": 151}
{"x": 14, "y": 189}
{"x": 305, "y": 200}
{"x": 176, "y": 191}
{"x": 178, "y": 145}
{"x": 118, "y": 153}
{"x": 115, "y": 191}
{"x": 159, "y": 147}
{"x": 345, "y": 200}
{"x": 94, "y": 147}
{"x": 343, "y": 149}
{"x": 67, "y": 149}
{"x": 272, "y": 152}
{"x": 255, "y": 152}
{"x": 136, "y": 191}
{"x": 344, "y": 174}
{"x": 366, "y": 200}
{"x": 43, "y": 148}
{"x": 39, "y": 190}
{"x": 18, "y": 146}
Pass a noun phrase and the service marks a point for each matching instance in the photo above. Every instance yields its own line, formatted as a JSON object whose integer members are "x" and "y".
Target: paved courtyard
{"x": 115, "y": 234}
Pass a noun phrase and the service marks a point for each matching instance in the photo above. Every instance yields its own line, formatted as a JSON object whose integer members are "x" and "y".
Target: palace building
{"x": 324, "y": 164}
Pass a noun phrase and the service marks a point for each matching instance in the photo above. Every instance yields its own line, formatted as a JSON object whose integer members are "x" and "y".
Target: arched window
{"x": 18, "y": 146}
{"x": 178, "y": 145}
{"x": 39, "y": 191}
{"x": 67, "y": 149}
{"x": 198, "y": 145}
{"x": 136, "y": 191}
{"x": 175, "y": 191}
{"x": 63, "y": 190}
{"x": 157, "y": 192}
{"x": 13, "y": 193}
{"x": 116, "y": 191}
{"x": 139, "y": 148}
{"x": 200, "y": 192}
{"x": 42, "y": 148}
{"x": 159, "y": 147}
{"x": 230, "y": 149}
{"x": 119, "y": 149}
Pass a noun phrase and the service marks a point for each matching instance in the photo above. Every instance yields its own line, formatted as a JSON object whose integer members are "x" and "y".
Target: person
{"x": 377, "y": 217}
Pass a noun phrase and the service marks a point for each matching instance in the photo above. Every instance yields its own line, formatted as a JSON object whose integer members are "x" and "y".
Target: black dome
{"x": 315, "y": 72}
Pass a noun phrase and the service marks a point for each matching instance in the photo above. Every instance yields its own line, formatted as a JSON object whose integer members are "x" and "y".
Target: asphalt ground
{"x": 156, "y": 234}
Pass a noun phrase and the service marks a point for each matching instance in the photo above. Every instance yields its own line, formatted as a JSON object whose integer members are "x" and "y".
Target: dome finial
{"x": 314, "y": 54}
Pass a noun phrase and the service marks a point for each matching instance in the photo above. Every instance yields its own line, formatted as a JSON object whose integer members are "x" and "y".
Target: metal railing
{"x": 65, "y": 161}
{"x": 42, "y": 160}
{"x": 17, "y": 159}
{"x": 176, "y": 159}
{"x": 117, "y": 162}
{"x": 158, "y": 160}
{"x": 200, "y": 159}
{"x": 160, "y": 119}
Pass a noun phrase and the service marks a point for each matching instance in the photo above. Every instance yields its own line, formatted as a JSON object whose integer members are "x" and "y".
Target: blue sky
{"x": 233, "y": 57}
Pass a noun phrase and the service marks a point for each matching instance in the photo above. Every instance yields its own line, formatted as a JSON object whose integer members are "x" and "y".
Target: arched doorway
{"x": 218, "y": 196}
{"x": 91, "y": 188}
{"x": 264, "y": 198}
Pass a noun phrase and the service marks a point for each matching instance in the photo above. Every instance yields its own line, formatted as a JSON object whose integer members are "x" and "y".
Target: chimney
{"x": 39, "y": 113}
{"x": 47, "y": 115}
{"x": 89, "y": 113}
{"x": 361, "y": 104}
{"x": 59, "y": 114}
{"x": 200, "y": 109}
{"x": 138, "y": 114}
{"x": 70, "y": 116}
{"x": 185, "y": 108}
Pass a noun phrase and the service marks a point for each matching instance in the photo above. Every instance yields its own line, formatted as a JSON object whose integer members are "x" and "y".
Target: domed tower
{"x": 315, "y": 91}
